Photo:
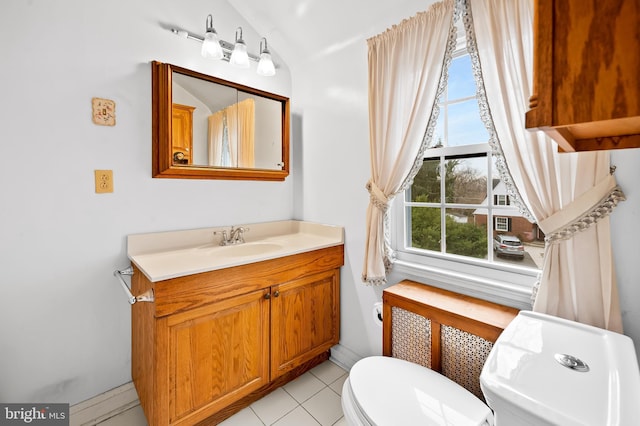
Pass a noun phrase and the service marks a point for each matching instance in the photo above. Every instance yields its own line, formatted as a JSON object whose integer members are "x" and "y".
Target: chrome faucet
{"x": 235, "y": 236}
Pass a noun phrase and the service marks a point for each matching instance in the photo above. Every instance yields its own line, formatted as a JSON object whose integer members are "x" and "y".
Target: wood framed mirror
{"x": 209, "y": 128}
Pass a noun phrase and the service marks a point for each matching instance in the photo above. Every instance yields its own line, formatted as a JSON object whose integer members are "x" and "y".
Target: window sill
{"x": 507, "y": 287}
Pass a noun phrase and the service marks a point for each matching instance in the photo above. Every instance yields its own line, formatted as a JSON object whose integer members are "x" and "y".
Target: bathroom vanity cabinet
{"x": 586, "y": 68}
{"x": 214, "y": 342}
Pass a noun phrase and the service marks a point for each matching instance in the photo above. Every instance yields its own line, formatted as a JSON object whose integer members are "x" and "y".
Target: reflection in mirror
{"x": 218, "y": 129}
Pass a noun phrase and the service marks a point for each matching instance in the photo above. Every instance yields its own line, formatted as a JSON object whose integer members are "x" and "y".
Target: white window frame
{"x": 495, "y": 281}
{"x": 502, "y": 200}
{"x": 501, "y": 223}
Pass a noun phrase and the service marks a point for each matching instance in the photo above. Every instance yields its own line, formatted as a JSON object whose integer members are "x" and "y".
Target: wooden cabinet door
{"x": 182, "y": 133}
{"x": 586, "y": 68}
{"x": 217, "y": 354}
{"x": 304, "y": 320}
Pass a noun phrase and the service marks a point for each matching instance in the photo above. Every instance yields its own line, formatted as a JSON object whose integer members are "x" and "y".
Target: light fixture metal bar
{"x": 227, "y": 47}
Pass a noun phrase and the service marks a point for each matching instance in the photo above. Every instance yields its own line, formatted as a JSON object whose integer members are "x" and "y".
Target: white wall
{"x": 64, "y": 320}
{"x": 625, "y": 229}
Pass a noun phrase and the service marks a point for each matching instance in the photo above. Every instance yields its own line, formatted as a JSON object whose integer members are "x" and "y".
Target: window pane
{"x": 461, "y": 83}
{"x": 426, "y": 184}
{"x": 464, "y": 236}
{"x": 425, "y": 228}
{"x": 466, "y": 180}
{"x": 502, "y": 224}
{"x": 464, "y": 124}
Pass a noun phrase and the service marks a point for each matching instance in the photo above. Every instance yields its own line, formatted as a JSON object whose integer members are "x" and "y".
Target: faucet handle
{"x": 224, "y": 236}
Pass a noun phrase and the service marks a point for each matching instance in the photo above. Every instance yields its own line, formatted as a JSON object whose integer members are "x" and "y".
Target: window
{"x": 447, "y": 219}
{"x": 502, "y": 224}
{"x": 501, "y": 200}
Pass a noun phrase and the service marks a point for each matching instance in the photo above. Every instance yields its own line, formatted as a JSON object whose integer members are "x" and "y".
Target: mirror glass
{"x": 210, "y": 128}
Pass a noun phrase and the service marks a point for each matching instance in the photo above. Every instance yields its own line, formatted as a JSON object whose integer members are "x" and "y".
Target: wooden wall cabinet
{"x": 586, "y": 92}
{"x": 213, "y": 343}
{"x": 182, "y": 131}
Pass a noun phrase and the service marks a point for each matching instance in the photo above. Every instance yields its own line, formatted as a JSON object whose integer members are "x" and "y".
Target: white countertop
{"x": 165, "y": 255}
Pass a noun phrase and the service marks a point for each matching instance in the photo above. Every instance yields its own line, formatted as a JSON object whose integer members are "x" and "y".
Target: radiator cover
{"x": 447, "y": 332}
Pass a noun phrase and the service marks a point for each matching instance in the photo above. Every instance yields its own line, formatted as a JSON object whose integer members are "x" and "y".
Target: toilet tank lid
{"x": 525, "y": 371}
{"x": 391, "y": 392}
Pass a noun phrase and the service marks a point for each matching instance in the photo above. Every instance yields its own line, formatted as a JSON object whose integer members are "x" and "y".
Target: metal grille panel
{"x": 411, "y": 337}
{"x": 463, "y": 356}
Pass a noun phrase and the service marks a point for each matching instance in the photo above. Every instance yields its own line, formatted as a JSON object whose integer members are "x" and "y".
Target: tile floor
{"x": 310, "y": 400}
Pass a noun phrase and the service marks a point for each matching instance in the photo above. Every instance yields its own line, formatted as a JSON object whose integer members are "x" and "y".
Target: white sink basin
{"x": 245, "y": 249}
{"x": 165, "y": 255}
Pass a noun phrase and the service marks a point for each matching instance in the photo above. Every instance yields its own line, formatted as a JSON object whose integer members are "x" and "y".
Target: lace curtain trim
{"x": 599, "y": 211}
{"x": 485, "y": 112}
{"x": 435, "y": 112}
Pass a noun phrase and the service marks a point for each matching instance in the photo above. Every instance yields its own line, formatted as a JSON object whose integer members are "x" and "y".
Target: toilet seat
{"x": 384, "y": 391}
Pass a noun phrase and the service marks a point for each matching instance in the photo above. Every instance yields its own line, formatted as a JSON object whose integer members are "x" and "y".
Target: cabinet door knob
{"x": 267, "y": 296}
{"x": 276, "y": 293}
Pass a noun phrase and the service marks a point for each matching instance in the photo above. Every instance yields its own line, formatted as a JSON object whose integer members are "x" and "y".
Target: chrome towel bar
{"x": 147, "y": 296}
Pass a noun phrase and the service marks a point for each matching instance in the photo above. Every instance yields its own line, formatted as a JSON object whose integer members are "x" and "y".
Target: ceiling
{"x": 301, "y": 31}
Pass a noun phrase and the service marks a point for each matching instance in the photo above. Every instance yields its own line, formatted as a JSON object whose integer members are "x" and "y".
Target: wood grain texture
{"x": 305, "y": 319}
{"x": 586, "y": 68}
{"x": 182, "y": 131}
{"x": 218, "y": 354}
{"x": 212, "y": 342}
{"x": 189, "y": 292}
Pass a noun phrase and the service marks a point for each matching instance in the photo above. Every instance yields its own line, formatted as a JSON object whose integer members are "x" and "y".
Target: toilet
{"x": 542, "y": 370}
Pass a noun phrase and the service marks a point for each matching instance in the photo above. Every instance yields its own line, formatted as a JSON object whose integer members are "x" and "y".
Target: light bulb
{"x": 239, "y": 56}
{"x": 211, "y": 46}
{"x": 265, "y": 66}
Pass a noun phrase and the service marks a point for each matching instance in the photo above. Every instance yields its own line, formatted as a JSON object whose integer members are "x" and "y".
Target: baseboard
{"x": 104, "y": 406}
{"x": 344, "y": 357}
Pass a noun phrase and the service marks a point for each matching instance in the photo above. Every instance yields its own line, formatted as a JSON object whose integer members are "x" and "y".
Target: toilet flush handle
{"x": 572, "y": 362}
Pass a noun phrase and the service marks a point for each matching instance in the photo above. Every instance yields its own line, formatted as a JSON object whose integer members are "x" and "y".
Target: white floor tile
{"x": 325, "y": 407}
{"x": 274, "y": 406}
{"x": 336, "y": 386}
{"x": 304, "y": 387}
{"x": 341, "y": 422}
{"x": 298, "y": 417}
{"x": 244, "y": 417}
{"x": 311, "y": 400}
{"x": 328, "y": 372}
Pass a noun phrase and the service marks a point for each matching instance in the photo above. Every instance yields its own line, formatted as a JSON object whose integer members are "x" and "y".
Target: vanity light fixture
{"x": 211, "y": 44}
{"x": 236, "y": 54}
{"x": 265, "y": 66}
{"x": 239, "y": 56}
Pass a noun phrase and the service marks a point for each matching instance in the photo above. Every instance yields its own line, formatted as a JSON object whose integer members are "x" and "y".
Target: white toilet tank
{"x": 545, "y": 370}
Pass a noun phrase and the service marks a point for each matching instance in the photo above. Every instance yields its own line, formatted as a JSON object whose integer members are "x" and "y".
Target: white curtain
{"x": 405, "y": 63}
{"x": 216, "y": 138}
{"x": 246, "y": 130}
{"x": 232, "y": 133}
{"x": 570, "y": 195}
